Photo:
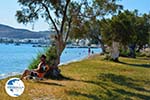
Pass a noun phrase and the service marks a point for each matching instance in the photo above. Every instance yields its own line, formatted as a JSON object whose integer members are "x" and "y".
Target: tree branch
{"x": 49, "y": 15}
{"x": 64, "y": 16}
{"x": 69, "y": 26}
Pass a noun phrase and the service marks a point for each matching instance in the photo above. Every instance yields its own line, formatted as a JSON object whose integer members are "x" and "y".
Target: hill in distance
{"x": 10, "y": 32}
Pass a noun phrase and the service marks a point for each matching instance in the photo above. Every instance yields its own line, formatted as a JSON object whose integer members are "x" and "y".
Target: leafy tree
{"x": 142, "y": 29}
{"x": 92, "y": 31}
{"x": 95, "y": 11}
{"x": 128, "y": 29}
{"x": 118, "y": 31}
{"x": 59, "y": 14}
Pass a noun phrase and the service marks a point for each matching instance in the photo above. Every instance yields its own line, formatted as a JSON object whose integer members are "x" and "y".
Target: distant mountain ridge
{"x": 10, "y": 32}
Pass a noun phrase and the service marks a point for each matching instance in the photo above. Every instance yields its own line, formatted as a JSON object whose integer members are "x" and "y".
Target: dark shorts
{"x": 34, "y": 74}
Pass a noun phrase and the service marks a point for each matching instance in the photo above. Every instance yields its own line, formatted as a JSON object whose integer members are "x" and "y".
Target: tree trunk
{"x": 132, "y": 50}
{"x": 103, "y": 47}
{"x": 60, "y": 46}
{"x": 54, "y": 72}
{"x": 115, "y": 51}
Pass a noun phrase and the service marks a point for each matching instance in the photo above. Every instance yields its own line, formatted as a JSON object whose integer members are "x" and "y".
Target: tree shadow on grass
{"x": 98, "y": 83}
{"x": 89, "y": 96}
{"x": 136, "y": 65}
{"x": 131, "y": 94}
{"x": 124, "y": 81}
{"x": 103, "y": 82}
{"x": 61, "y": 77}
{"x": 143, "y": 58}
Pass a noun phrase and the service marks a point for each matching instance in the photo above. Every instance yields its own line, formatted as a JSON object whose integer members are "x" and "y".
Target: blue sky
{"x": 8, "y": 9}
{"x": 142, "y": 5}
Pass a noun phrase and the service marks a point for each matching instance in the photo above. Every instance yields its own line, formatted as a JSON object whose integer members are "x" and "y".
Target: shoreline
{"x": 7, "y": 75}
{"x": 20, "y": 60}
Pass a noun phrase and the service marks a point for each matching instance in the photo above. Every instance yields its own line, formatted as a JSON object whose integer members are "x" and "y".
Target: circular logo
{"x": 14, "y": 87}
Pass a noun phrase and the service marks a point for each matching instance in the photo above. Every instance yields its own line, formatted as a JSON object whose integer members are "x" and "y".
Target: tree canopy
{"x": 128, "y": 28}
{"x": 87, "y": 18}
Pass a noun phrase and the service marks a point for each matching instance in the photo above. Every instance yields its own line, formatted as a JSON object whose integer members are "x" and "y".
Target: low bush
{"x": 50, "y": 58}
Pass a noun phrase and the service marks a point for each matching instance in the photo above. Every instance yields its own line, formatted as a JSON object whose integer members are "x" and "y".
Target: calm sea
{"x": 14, "y": 59}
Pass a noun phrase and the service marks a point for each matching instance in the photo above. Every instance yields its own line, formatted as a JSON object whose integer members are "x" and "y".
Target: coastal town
{"x": 45, "y": 42}
{"x": 25, "y": 40}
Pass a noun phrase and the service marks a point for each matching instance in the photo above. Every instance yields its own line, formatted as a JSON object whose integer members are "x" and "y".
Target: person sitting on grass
{"x": 39, "y": 72}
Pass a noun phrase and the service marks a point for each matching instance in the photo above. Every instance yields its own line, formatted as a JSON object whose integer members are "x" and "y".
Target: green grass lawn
{"x": 92, "y": 79}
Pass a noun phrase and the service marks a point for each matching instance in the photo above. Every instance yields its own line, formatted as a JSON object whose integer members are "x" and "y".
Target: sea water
{"x": 15, "y": 59}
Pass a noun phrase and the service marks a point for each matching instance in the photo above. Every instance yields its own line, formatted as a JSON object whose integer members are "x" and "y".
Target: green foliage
{"x": 118, "y": 29}
{"x": 32, "y": 10}
{"x": 105, "y": 7}
{"x": 124, "y": 52}
{"x": 106, "y": 31}
{"x": 35, "y": 62}
{"x": 129, "y": 29}
{"x": 61, "y": 15}
{"x": 51, "y": 55}
{"x": 142, "y": 29}
{"x": 87, "y": 25}
{"x": 50, "y": 58}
